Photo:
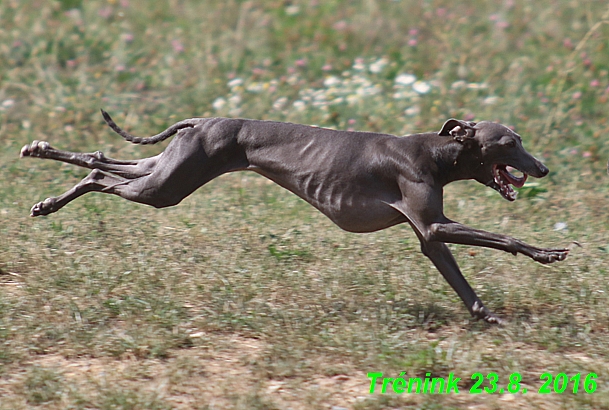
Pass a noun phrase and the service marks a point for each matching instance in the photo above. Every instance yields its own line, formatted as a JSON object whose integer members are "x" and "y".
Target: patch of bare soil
{"x": 220, "y": 375}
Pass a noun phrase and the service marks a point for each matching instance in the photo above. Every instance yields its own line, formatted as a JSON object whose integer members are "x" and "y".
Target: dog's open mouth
{"x": 503, "y": 181}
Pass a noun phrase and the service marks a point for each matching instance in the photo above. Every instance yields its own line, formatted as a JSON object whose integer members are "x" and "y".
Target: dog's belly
{"x": 360, "y": 206}
{"x": 358, "y": 210}
{"x": 367, "y": 219}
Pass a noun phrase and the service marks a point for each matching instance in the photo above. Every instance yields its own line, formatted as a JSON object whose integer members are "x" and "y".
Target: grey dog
{"x": 362, "y": 181}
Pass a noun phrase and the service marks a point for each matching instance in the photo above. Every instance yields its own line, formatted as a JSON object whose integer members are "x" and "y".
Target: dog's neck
{"x": 458, "y": 160}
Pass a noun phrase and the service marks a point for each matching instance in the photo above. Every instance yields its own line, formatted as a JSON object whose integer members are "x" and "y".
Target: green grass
{"x": 244, "y": 296}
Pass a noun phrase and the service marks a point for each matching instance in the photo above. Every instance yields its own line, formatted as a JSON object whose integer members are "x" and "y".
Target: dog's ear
{"x": 458, "y": 129}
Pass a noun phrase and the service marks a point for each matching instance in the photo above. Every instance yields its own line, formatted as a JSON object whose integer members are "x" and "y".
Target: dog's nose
{"x": 543, "y": 169}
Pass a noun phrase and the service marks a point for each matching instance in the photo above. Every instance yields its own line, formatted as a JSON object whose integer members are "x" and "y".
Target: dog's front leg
{"x": 453, "y": 232}
{"x": 443, "y": 259}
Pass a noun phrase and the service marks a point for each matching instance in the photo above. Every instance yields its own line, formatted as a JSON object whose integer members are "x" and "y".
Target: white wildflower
{"x": 331, "y": 81}
{"x": 421, "y": 87}
{"x": 234, "y": 100}
{"x": 490, "y": 100}
{"x": 292, "y": 80}
{"x": 292, "y": 10}
{"x": 378, "y": 65}
{"x": 255, "y": 87}
{"x": 218, "y": 103}
{"x": 369, "y": 90}
{"x": 299, "y": 105}
{"x": 319, "y": 95}
{"x": 477, "y": 86}
{"x": 458, "y": 85}
{"x": 361, "y": 80}
{"x": 405, "y": 79}
{"x": 280, "y": 103}
{"x": 353, "y": 99}
{"x": 404, "y": 94}
{"x": 235, "y": 82}
{"x": 358, "y": 64}
{"x": 412, "y": 111}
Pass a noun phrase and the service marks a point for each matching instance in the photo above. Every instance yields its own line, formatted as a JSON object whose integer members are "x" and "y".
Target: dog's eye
{"x": 509, "y": 143}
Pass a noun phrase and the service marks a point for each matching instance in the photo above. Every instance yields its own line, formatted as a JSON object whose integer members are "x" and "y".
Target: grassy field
{"x": 244, "y": 296}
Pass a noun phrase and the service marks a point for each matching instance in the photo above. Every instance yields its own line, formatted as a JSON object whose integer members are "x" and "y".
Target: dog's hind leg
{"x": 97, "y": 180}
{"x": 97, "y": 160}
{"x": 148, "y": 189}
{"x": 161, "y": 181}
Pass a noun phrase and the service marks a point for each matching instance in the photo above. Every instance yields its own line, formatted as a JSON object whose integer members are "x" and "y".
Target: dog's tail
{"x": 149, "y": 140}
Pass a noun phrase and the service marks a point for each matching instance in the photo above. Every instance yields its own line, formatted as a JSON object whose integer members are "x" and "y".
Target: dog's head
{"x": 497, "y": 148}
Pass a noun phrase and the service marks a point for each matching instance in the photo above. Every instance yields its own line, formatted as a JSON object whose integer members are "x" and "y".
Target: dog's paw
{"x": 551, "y": 255}
{"x": 35, "y": 149}
{"x": 494, "y": 320}
{"x": 43, "y": 208}
{"x": 480, "y": 311}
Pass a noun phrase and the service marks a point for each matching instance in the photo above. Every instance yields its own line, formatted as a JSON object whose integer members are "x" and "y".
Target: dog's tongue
{"x": 518, "y": 182}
